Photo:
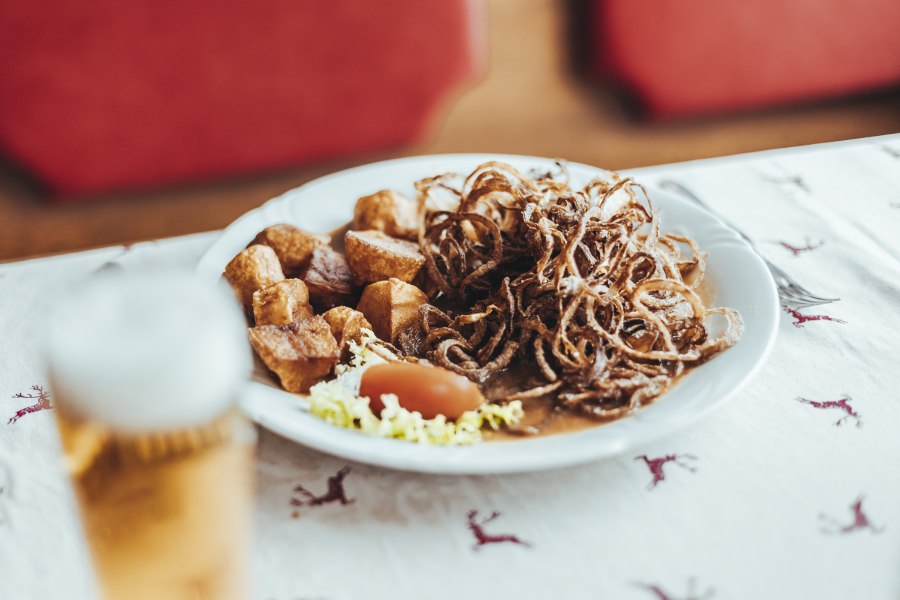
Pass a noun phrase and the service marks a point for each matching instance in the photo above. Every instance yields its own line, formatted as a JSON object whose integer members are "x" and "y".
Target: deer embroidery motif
{"x": 335, "y": 492}
{"x": 843, "y": 404}
{"x": 860, "y": 521}
{"x": 800, "y": 319}
{"x": 43, "y": 403}
{"x": 483, "y": 538}
{"x": 655, "y": 465}
{"x": 798, "y": 250}
{"x": 660, "y": 594}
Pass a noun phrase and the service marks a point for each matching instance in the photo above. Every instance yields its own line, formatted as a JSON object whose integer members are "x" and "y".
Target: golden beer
{"x": 144, "y": 375}
{"x": 166, "y": 515}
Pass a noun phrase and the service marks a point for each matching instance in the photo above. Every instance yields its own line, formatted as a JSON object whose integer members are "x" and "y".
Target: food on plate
{"x": 338, "y": 402}
{"x": 281, "y": 303}
{"x": 387, "y": 211}
{"x": 599, "y": 309}
{"x": 526, "y": 302}
{"x": 431, "y": 391}
{"x": 391, "y": 306}
{"x": 253, "y": 268}
{"x": 347, "y": 325}
{"x": 300, "y": 354}
{"x": 374, "y": 256}
{"x": 292, "y": 245}
{"x": 329, "y": 280}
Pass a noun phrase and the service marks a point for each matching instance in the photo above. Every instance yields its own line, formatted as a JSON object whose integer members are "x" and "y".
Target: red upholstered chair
{"x": 686, "y": 57}
{"x": 114, "y": 94}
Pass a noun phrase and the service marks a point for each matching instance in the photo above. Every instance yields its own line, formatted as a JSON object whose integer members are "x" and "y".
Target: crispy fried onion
{"x": 580, "y": 282}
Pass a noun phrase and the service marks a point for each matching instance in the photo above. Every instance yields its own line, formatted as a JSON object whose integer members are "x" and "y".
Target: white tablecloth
{"x": 790, "y": 491}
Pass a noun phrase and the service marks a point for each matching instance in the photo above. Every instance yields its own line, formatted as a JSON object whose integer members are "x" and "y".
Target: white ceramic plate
{"x": 738, "y": 277}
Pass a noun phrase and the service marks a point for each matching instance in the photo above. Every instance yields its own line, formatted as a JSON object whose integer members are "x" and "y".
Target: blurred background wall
{"x": 571, "y": 79}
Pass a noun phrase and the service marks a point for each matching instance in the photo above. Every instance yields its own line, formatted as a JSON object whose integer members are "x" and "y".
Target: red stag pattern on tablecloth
{"x": 655, "y": 465}
{"x": 860, "y": 521}
{"x": 809, "y": 246}
{"x": 843, "y": 405}
{"x": 800, "y": 318}
{"x": 37, "y": 393}
{"x": 483, "y": 538}
{"x": 660, "y": 594}
{"x": 334, "y": 493}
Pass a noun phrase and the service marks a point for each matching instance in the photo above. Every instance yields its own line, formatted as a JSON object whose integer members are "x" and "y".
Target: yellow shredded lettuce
{"x": 337, "y": 402}
{"x": 363, "y": 354}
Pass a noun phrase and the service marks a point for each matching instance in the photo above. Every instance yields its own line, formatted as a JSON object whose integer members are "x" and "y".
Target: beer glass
{"x": 144, "y": 369}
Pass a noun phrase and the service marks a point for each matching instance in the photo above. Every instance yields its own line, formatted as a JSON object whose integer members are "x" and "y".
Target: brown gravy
{"x": 547, "y": 419}
{"x": 540, "y": 414}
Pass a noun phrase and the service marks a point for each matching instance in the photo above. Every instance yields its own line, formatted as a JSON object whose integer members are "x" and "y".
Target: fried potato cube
{"x": 300, "y": 354}
{"x": 346, "y": 326}
{"x": 253, "y": 268}
{"x": 292, "y": 245}
{"x": 374, "y": 256}
{"x": 329, "y": 280}
{"x": 387, "y": 211}
{"x": 391, "y": 306}
{"x": 281, "y": 303}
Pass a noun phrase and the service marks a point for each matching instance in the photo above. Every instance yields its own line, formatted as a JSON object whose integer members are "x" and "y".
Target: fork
{"x": 791, "y": 293}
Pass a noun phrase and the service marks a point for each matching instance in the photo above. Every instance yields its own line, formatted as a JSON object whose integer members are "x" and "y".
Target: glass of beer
{"x": 144, "y": 368}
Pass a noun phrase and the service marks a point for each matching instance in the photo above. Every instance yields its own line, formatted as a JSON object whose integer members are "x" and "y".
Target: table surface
{"x": 789, "y": 491}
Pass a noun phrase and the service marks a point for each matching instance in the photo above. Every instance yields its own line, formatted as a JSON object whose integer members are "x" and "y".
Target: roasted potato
{"x": 292, "y": 245}
{"x": 346, "y": 326}
{"x": 374, "y": 256}
{"x": 253, "y": 268}
{"x": 391, "y": 306}
{"x": 281, "y": 303}
{"x": 329, "y": 280}
{"x": 387, "y": 211}
{"x": 300, "y": 354}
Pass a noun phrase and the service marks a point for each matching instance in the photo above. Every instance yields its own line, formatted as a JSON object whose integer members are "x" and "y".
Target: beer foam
{"x": 148, "y": 350}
